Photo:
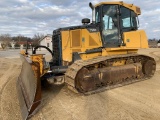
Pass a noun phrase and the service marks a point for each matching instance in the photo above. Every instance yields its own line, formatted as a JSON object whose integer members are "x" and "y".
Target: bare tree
{"x": 36, "y": 38}
{"x": 5, "y": 40}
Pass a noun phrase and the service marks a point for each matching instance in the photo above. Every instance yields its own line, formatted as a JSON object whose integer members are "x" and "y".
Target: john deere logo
{"x": 93, "y": 30}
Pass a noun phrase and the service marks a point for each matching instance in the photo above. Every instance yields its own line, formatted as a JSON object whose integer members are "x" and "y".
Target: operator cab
{"x": 114, "y": 19}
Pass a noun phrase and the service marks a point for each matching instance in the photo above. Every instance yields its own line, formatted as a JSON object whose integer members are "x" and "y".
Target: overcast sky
{"x": 28, "y": 17}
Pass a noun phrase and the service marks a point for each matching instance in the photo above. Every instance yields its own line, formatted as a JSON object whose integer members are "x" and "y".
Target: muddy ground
{"x": 138, "y": 101}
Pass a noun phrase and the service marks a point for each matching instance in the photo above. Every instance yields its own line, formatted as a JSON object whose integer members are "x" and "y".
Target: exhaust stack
{"x": 93, "y": 12}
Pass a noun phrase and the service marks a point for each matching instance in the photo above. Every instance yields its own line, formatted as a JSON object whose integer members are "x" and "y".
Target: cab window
{"x": 97, "y": 15}
{"x": 128, "y": 19}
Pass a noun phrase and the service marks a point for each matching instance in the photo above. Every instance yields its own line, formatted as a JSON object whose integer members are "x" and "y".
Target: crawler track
{"x": 75, "y": 75}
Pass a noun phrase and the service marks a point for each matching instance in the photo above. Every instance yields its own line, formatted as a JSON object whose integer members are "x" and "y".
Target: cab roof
{"x": 136, "y": 9}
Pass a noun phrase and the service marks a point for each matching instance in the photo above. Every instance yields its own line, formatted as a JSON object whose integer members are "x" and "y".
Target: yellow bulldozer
{"x": 89, "y": 58}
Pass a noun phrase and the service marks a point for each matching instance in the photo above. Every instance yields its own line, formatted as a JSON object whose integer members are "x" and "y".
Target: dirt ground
{"x": 138, "y": 101}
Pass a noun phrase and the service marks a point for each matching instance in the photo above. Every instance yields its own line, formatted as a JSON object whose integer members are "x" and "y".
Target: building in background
{"x": 13, "y": 44}
{"x": 46, "y": 41}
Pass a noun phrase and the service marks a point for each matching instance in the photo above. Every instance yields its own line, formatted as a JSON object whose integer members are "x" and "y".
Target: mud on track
{"x": 139, "y": 101}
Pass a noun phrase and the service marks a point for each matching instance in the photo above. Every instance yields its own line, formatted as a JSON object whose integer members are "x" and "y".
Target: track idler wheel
{"x": 84, "y": 81}
{"x": 149, "y": 68}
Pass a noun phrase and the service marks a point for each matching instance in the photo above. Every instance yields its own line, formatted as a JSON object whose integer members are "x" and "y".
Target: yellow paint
{"x": 23, "y": 52}
{"x": 38, "y": 58}
{"x": 66, "y": 46}
{"x": 79, "y": 40}
{"x": 90, "y": 56}
{"x": 118, "y": 63}
{"x": 136, "y": 9}
{"x": 144, "y": 39}
{"x": 135, "y": 39}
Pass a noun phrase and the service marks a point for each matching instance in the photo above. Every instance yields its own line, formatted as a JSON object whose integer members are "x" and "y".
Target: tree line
{"x": 7, "y": 39}
{"x": 157, "y": 40}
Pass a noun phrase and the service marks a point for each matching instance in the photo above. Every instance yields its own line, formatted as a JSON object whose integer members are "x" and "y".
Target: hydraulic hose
{"x": 41, "y": 46}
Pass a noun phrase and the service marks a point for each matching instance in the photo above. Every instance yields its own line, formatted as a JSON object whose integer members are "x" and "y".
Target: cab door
{"x": 110, "y": 26}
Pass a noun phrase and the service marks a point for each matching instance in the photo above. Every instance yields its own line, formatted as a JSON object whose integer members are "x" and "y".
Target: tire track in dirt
{"x": 8, "y": 70}
{"x": 4, "y": 69}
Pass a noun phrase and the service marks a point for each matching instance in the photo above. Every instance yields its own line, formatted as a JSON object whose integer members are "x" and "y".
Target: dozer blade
{"x": 29, "y": 87}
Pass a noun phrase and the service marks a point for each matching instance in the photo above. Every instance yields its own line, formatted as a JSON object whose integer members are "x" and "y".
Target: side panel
{"x": 135, "y": 39}
{"x": 76, "y": 36}
{"x": 144, "y": 39}
{"x": 91, "y": 39}
{"x": 78, "y": 40}
{"x": 66, "y": 47}
{"x": 132, "y": 39}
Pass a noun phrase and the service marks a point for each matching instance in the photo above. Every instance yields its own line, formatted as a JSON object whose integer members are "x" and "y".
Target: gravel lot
{"x": 138, "y": 101}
